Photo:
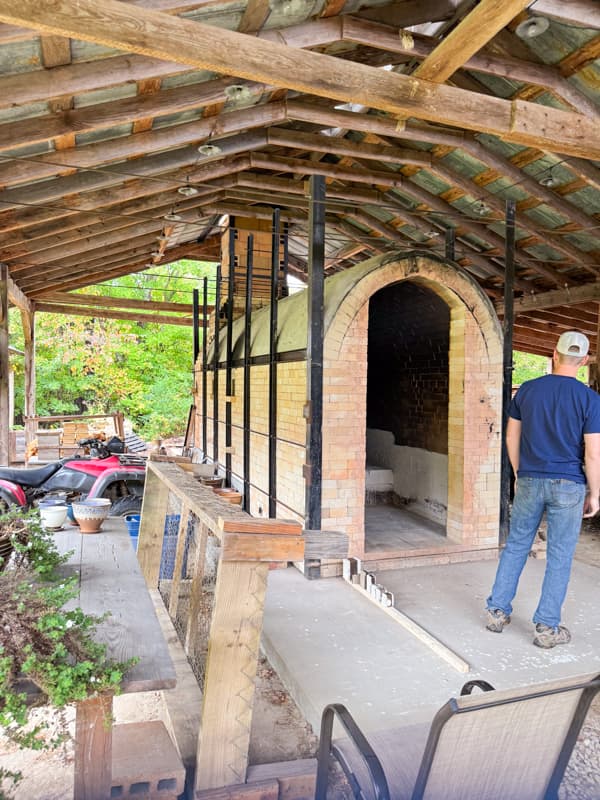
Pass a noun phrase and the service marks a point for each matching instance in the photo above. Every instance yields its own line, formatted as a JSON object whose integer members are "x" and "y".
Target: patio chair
{"x": 498, "y": 745}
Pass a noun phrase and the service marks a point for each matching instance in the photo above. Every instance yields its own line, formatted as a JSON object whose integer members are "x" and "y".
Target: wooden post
{"x": 179, "y": 553}
{"x": 29, "y": 411}
{"x": 93, "y": 748}
{"x": 231, "y": 665}
{"x": 4, "y": 369}
{"x": 152, "y": 527}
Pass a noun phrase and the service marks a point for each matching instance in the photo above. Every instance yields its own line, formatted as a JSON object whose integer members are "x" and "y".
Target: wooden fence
{"x": 226, "y": 578}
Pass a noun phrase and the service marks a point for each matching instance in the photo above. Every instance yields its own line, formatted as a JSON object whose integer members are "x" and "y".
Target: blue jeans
{"x": 562, "y": 501}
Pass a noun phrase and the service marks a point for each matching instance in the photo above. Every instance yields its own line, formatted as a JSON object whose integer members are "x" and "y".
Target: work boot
{"x": 496, "y": 620}
{"x": 548, "y": 637}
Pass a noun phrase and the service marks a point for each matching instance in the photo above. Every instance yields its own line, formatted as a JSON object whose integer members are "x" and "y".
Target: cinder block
{"x": 145, "y": 763}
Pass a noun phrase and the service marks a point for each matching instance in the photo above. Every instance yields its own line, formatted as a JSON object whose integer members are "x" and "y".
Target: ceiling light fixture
{"x": 480, "y": 208}
{"x": 188, "y": 191}
{"x": 210, "y": 149}
{"x": 172, "y": 216}
{"x": 549, "y": 178}
{"x": 532, "y": 27}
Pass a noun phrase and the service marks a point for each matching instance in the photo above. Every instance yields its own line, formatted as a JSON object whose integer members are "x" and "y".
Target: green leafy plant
{"x": 48, "y": 654}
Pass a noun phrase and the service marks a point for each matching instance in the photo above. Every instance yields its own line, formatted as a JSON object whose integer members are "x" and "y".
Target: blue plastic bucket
{"x": 133, "y": 528}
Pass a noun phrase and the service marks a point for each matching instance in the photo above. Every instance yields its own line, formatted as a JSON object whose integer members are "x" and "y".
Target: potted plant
{"x": 48, "y": 655}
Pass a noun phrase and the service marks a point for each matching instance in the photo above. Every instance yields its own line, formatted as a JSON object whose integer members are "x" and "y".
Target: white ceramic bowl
{"x": 53, "y": 516}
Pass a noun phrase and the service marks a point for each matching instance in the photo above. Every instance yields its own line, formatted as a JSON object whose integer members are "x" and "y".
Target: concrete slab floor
{"x": 388, "y": 527}
{"x": 330, "y": 644}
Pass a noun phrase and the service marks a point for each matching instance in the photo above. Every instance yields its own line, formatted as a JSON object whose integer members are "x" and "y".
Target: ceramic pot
{"x": 52, "y": 516}
{"x": 6, "y": 549}
{"x": 203, "y": 470}
{"x": 91, "y": 513}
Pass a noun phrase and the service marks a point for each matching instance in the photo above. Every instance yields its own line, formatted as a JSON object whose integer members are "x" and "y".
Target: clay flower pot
{"x": 91, "y": 513}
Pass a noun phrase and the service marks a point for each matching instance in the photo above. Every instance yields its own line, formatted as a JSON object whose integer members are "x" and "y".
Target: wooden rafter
{"x": 150, "y": 33}
{"x": 468, "y": 37}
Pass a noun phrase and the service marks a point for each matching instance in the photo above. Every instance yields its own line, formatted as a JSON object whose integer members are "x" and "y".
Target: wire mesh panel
{"x": 202, "y": 600}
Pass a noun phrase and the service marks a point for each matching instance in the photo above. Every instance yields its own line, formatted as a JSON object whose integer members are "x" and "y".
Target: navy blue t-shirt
{"x": 555, "y": 411}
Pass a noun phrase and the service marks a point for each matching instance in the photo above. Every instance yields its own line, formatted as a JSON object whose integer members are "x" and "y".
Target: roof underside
{"x": 423, "y": 116}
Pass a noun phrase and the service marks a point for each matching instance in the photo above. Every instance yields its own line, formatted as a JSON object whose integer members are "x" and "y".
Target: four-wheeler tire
{"x": 130, "y": 504}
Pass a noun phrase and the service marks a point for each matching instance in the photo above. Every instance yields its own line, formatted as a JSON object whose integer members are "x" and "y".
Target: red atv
{"x": 104, "y": 473}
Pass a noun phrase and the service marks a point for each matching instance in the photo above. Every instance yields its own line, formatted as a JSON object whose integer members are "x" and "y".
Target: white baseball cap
{"x": 573, "y": 343}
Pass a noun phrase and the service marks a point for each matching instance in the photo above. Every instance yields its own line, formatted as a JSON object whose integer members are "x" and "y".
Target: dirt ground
{"x": 279, "y": 732}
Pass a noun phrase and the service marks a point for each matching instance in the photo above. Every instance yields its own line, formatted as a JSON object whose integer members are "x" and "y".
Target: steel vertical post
{"x": 229, "y": 352}
{"x": 507, "y": 328}
{"x": 216, "y": 369}
{"x": 204, "y": 364}
{"x": 273, "y": 322}
{"x": 314, "y": 351}
{"x": 247, "y": 354}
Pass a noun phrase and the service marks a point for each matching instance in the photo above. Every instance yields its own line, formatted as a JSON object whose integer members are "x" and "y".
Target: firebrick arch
{"x": 475, "y": 396}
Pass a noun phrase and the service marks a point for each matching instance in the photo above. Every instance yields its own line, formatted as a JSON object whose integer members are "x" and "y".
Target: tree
{"x": 93, "y": 365}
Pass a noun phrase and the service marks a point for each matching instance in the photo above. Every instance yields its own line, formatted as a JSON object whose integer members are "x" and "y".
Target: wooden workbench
{"x": 110, "y": 581}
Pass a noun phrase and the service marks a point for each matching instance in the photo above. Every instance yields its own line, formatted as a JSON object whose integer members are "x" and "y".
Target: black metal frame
{"x": 229, "y": 351}
{"x": 314, "y": 352}
{"x": 588, "y": 689}
{"x": 204, "y": 364}
{"x": 216, "y": 369}
{"x": 247, "y": 349}
{"x": 273, "y": 325}
{"x": 196, "y": 326}
{"x": 507, "y": 366}
{"x": 366, "y": 752}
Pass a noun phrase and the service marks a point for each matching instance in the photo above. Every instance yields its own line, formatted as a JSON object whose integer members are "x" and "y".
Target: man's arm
{"x": 513, "y": 442}
{"x": 592, "y": 473}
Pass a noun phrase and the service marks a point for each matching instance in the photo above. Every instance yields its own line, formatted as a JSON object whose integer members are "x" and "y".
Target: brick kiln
{"x": 412, "y": 383}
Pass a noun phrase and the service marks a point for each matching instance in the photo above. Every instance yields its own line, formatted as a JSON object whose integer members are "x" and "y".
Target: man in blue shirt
{"x": 553, "y": 432}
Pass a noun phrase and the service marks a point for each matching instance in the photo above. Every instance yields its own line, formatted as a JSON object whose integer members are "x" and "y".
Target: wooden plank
{"x": 556, "y": 297}
{"x": 56, "y": 51}
{"x": 474, "y": 31}
{"x": 93, "y": 748}
{"x": 184, "y": 520}
{"x": 253, "y": 525}
{"x": 150, "y": 33}
{"x": 325, "y": 544}
{"x": 449, "y": 656}
{"x": 105, "y": 313}
{"x": 4, "y": 370}
{"x": 261, "y": 547}
{"x": 117, "y": 302}
{"x": 230, "y": 674}
{"x": 152, "y": 526}
{"x": 111, "y": 581}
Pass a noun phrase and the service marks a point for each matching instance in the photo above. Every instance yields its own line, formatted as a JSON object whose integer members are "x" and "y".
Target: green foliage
{"x": 43, "y": 642}
{"x": 96, "y": 365}
{"x": 527, "y": 366}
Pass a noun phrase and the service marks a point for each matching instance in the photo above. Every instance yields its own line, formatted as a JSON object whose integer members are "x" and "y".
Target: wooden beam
{"x": 4, "y": 369}
{"x": 81, "y": 311}
{"x": 116, "y": 302}
{"x": 406, "y": 13}
{"x": 468, "y": 37}
{"x": 142, "y": 31}
{"x": 141, "y": 144}
{"x": 558, "y": 297}
{"x": 581, "y": 12}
